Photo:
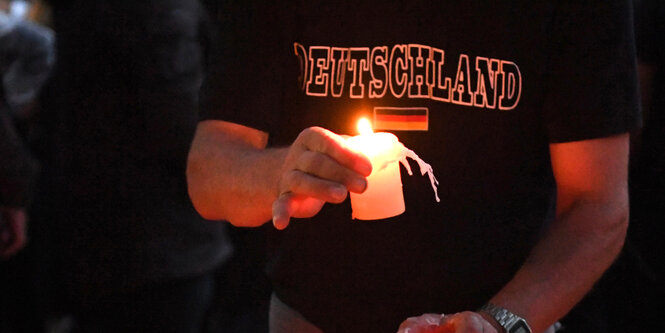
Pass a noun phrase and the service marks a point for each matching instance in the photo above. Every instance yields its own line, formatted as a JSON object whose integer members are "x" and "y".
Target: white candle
{"x": 383, "y": 197}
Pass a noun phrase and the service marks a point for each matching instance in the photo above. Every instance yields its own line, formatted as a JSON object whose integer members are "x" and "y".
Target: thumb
{"x": 282, "y": 210}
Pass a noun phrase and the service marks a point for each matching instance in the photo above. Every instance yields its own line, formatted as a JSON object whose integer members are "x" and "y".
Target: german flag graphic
{"x": 400, "y": 119}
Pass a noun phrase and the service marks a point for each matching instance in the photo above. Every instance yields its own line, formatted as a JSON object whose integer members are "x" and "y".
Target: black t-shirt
{"x": 647, "y": 178}
{"x": 496, "y": 83}
{"x": 650, "y": 31}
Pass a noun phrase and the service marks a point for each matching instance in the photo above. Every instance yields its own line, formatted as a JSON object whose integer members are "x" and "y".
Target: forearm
{"x": 233, "y": 178}
{"x": 580, "y": 245}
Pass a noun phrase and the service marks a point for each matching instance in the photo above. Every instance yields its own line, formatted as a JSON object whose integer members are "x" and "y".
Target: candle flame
{"x": 364, "y": 126}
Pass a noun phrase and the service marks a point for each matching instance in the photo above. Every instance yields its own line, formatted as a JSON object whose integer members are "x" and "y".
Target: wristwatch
{"x": 510, "y": 322}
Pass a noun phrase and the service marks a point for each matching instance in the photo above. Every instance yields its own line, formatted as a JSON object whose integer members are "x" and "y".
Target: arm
{"x": 232, "y": 176}
{"x": 586, "y": 236}
{"x": 13, "y": 231}
{"x": 582, "y": 242}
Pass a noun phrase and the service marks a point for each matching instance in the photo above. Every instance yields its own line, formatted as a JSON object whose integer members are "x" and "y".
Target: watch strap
{"x": 505, "y": 318}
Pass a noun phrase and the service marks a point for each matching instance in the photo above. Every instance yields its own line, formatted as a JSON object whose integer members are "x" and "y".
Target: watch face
{"x": 519, "y": 327}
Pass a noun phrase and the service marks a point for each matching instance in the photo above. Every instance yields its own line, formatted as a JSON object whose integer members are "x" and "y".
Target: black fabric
{"x": 490, "y": 154}
{"x": 649, "y": 28}
{"x": 120, "y": 113}
{"x": 18, "y": 168}
{"x": 636, "y": 284}
{"x": 21, "y": 309}
{"x": 648, "y": 170}
{"x": 157, "y": 309}
{"x": 245, "y": 25}
{"x": 594, "y": 45}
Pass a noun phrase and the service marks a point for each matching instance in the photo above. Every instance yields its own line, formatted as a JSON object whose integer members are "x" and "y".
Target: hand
{"x": 13, "y": 233}
{"x": 473, "y": 322}
{"x": 469, "y": 322}
{"x": 461, "y": 322}
{"x": 319, "y": 168}
{"x": 427, "y": 323}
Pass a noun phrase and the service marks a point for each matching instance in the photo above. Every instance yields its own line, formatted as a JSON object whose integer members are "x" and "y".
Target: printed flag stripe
{"x": 400, "y": 126}
{"x": 401, "y": 119}
{"x": 400, "y": 111}
{"x": 381, "y": 117}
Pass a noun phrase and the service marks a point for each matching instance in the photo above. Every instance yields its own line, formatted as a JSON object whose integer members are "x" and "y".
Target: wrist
{"x": 508, "y": 321}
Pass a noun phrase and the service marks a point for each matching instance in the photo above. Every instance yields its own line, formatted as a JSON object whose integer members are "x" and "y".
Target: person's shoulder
{"x": 7, "y": 23}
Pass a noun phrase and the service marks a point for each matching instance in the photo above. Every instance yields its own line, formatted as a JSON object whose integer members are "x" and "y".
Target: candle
{"x": 383, "y": 197}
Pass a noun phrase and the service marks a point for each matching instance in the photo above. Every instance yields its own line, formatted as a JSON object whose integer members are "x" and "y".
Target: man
{"x": 525, "y": 109}
{"x": 26, "y": 57}
{"x": 131, "y": 253}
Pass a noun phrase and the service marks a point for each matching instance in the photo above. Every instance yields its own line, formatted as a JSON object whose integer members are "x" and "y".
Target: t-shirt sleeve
{"x": 649, "y": 30}
{"x": 244, "y": 79}
{"x": 591, "y": 88}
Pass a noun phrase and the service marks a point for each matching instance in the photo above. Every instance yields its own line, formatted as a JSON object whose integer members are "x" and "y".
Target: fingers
{"x": 466, "y": 322}
{"x": 18, "y": 227}
{"x": 319, "y": 168}
{"x": 290, "y": 205}
{"x": 325, "y": 167}
{"x": 281, "y": 211}
{"x": 307, "y": 185}
{"x": 321, "y": 140}
{"x": 12, "y": 248}
{"x": 14, "y": 236}
{"x": 462, "y": 322}
{"x": 407, "y": 325}
{"x": 425, "y": 323}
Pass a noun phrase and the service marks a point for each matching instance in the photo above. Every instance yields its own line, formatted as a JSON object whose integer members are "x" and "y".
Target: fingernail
{"x": 359, "y": 184}
{"x": 365, "y": 169}
{"x": 338, "y": 192}
{"x": 277, "y": 223}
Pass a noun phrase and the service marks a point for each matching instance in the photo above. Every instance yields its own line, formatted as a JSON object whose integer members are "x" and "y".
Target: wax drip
{"x": 425, "y": 168}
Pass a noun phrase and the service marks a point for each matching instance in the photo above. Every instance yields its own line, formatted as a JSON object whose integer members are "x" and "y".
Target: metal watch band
{"x": 506, "y": 319}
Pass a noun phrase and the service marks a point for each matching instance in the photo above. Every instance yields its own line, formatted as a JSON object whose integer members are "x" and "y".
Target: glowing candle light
{"x": 364, "y": 127}
{"x": 383, "y": 197}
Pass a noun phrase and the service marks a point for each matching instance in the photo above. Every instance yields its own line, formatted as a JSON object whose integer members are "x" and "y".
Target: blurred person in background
{"x": 130, "y": 252}
{"x": 26, "y": 57}
{"x": 17, "y": 176}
